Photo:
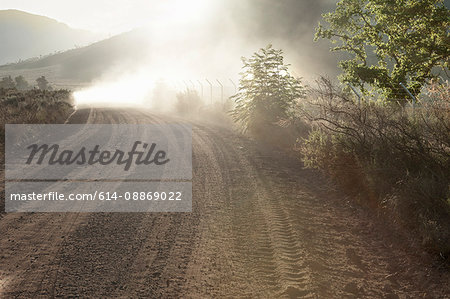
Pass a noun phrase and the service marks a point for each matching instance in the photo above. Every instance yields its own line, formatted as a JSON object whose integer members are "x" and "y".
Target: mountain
{"x": 84, "y": 64}
{"x": 24, "y": 35}
{"x": 211, "y": 50}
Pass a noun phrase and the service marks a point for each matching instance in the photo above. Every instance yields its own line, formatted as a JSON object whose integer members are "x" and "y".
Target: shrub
{"x": 398, "y": 160}
{"x": 267, "y": 92}
{"x": 21, "y": 83}
{"x": 33, "y": 106}
{"x": 30, "y": 107}
{"x": 188, "y": 103}
{"x": 7, "y": 82}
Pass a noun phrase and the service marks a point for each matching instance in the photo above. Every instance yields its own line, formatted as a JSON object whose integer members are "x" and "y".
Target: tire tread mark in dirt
{"x": 267, "y": 225}
{"x": 41, "y": 227}
{"x": 276, "y": 240}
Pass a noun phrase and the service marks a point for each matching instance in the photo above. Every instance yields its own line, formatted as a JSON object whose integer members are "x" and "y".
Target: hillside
{"x": 24, "y": 35}
{"x": 86, "y": 63}
{"x": 194, "y": 52}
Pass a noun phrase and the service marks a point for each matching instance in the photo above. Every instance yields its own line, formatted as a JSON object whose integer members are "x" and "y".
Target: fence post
{"x": 235, "y": 87}
{"x": 185, "y": 84}
{"x": 211, "y": 89}
{"x": 411, "y": 95}
{"x": 357, "y": 94}
{"x": 201, "y": 86}
{"x": 193, "y": 85}
{"x": 221, "y": 90}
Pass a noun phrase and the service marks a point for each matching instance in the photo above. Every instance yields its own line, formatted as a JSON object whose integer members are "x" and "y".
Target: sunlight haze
{"x": 114, "y": 16}
{"x": 225, "y": 149}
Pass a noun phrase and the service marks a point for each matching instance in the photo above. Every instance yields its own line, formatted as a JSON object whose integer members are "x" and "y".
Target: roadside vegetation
{"x": 32, "y": 106}
{"x": 268, "y": 94}
{"x": 190, "y": 105}
{"x": 388, "y": 158}
{"x": 382, "y": 135}
{"x": 20, "y": 83}
{"x": 388, "y": 43}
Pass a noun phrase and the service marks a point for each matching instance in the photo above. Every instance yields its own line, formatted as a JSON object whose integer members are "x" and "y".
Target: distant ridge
{"x": 87, "y": 63}
{"x": 24, "y": 35}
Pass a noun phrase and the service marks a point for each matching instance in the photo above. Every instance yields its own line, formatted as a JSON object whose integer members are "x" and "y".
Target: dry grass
{"x": 388, "y": 157}
{"x": 30, "y": 107}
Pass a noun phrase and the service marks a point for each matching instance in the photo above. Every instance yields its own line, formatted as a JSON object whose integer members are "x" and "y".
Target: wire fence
{"x": 209, "y": 90}
{"x": 414, "y": 102}
{"x": 213, "y": 91}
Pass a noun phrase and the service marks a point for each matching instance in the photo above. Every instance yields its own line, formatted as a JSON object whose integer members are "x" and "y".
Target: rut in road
{"x": 295, "y": 238}
{"x": 261, "y": 227}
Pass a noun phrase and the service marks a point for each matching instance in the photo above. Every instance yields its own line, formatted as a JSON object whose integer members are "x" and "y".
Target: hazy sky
{"x": 234, "y": 28}
{"x": 115, "y": 16}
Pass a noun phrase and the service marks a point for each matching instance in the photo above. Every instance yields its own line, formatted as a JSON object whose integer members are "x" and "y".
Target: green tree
{"x": 7, "y": 83}
{"x": 390, "y": 42}
{"x": 267, "y": 92}
{"x": 21, "y": 83}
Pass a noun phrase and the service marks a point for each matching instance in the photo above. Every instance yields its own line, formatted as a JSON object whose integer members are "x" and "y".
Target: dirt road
{"x": 261, "y": 227}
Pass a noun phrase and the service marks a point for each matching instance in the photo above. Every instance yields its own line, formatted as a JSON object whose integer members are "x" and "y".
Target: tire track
{"x": 264, "y": 232}
{"x": 261, "y": 227}
{"x": 124, "y": 241}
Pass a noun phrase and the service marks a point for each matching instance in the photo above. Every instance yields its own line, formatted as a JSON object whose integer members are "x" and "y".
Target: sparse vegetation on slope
{"x": 32, "y": 107}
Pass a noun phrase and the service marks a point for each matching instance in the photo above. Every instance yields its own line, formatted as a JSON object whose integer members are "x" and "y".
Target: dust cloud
{"x": 200, "y": 49}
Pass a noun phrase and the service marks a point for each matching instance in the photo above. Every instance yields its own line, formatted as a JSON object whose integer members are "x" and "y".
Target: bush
{"x": 267, "y": 92}
{"x": 396, "y": 160}
{"x": 7, "y": 83}
{"x": 21, "y": 83}
{"x": 217, "y": 113}
{"x": 31, "y": 107}
{"x": 188, "y": 103}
